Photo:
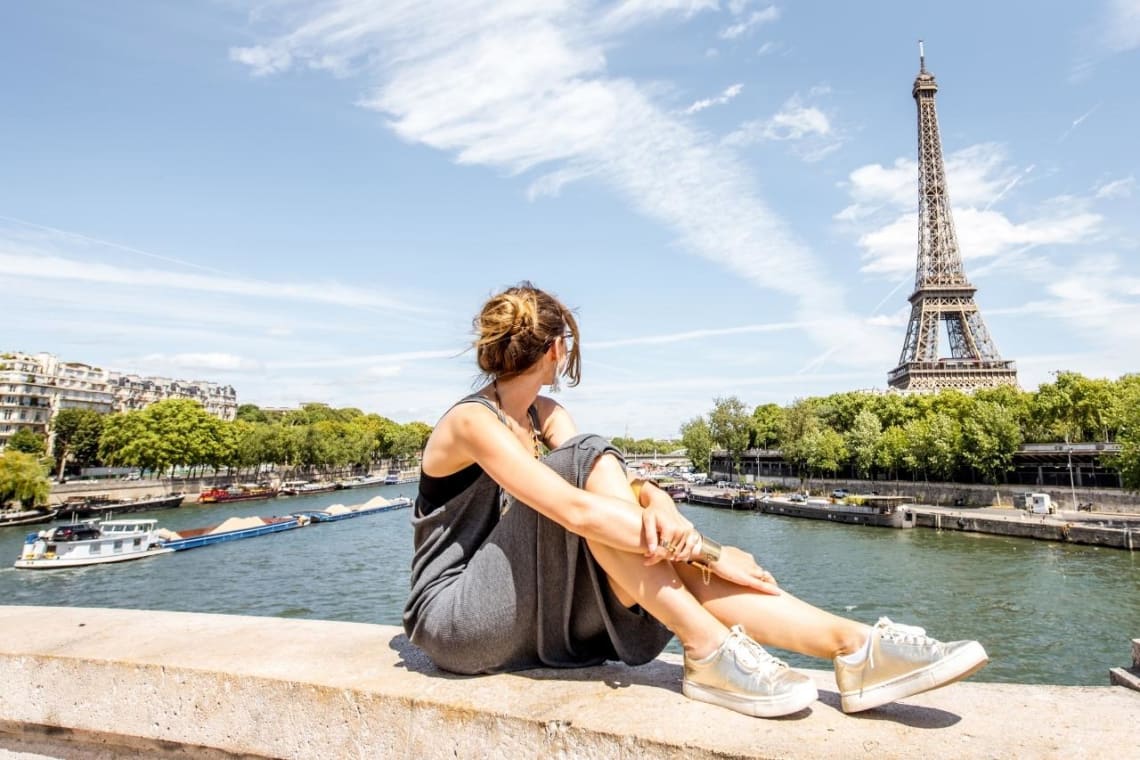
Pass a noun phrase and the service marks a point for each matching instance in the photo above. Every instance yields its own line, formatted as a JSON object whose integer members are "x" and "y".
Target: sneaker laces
{"x": 750, "y": 655}
{"x": 891, "y": 631}
{"x": 903, "y": 634}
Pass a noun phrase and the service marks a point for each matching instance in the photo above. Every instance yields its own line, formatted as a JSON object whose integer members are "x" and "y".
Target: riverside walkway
{"x": 99, "y": 683}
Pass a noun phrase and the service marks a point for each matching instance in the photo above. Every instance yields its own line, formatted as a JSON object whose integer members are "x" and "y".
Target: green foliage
{"x": 890, "y": 450}
{"x": 937, "y": 433}
{"x": 730, "y": 426}
{"x": 825, "y": 450}
{"x": 180, "y": 433}
{"x": 28, "y": 441}
{"x": 800, "y": 424}
{"x": 990, "y": 438}
{"x": 77, "y": 433}
{"x": 863, "y": 441}
{"x": 250, "y": 413}
{"x": 768, "y": 423}
{"x": 23, "y": 478}
{"x": 698, "y": 442}
{"x": 934, "y": 444}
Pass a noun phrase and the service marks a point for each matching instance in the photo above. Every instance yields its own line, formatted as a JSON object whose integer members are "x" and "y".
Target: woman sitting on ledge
{"x": 526, "y": 560}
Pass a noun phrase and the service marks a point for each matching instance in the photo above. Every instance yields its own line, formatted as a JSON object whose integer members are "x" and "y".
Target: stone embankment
{"x": 87, "y": 683}
{"x": 1117, "y": 531}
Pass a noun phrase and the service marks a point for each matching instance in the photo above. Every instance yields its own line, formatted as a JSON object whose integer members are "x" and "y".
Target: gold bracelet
{"x": 637, "y": 484}
{"x": 706, "y": 571}
{"x": 710, "y": 550}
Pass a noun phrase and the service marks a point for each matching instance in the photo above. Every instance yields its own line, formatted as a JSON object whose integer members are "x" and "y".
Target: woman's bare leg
{"x": 657, "y": 588}
{"x": 783, "y": 621}
{"x": 699, "y": 614}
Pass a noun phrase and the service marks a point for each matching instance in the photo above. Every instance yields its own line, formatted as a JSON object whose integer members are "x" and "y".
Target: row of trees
{"x": 932, "y": 435}
{"x": 180, "y": 433}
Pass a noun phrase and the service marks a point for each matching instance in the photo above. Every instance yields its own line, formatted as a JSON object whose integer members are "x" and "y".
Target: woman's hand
{"x": 739, "y": 567}
{"x": 668, "y": 534}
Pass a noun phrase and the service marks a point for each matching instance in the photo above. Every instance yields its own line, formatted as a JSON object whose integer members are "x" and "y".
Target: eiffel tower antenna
{"x": 941, "y": 291}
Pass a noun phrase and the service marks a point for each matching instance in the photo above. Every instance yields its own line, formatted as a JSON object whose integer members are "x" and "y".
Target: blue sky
{"x": 310, "y": 200}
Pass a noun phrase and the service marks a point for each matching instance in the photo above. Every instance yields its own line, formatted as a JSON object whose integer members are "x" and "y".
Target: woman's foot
{"x": 900, "y": 661}
{"x": 742, "y": 676}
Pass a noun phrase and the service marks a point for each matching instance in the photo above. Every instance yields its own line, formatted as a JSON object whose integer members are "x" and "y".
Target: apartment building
{"x": 34, "y": 387}
{"x": 135, "y": 392}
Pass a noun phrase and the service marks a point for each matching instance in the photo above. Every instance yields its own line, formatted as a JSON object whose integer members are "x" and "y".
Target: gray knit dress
{"x": 495, "y": 591}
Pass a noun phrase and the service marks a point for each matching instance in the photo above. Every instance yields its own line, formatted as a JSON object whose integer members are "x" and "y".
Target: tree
{"x": 730, "y": 426}
{"x": 23, "y": 478}
{"x": 863, "y": 441}
{"x": 250, "y": 413}
{"x": 27, "y": 441}
{"x": 76, "y": 433}
{"x": 990, "y": 437}
{"x": 824, "y": 450}
{"x": 698, "y": 442}
{"x": 768, "y": 423}
{"x": 933, "y": 444}
{"x": 890, "y": 451}
{"x": 800, "y": 423}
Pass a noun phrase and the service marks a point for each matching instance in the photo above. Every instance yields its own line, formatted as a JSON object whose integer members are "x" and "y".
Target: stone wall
{"x": 83, "y": 683}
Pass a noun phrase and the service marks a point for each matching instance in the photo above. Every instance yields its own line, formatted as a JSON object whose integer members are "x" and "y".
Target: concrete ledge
{"x": 170, "y": 683}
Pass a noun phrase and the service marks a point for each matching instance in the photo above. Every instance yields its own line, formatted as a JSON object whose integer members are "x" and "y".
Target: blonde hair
{"x": 516, "y": 327}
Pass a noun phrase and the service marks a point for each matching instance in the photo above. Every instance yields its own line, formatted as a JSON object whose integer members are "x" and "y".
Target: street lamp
{"x": 1072, "y": 485}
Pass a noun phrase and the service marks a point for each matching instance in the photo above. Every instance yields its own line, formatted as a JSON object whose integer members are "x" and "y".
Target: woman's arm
{"x": 479, "y": 436}
{"x": 556, "y": 426}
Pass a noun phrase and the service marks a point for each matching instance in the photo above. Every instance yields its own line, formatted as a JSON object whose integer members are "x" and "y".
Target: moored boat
{"x": 877, "y": 511}
{"x": 27, "y": 516}
{"x": 90, "y": 543}
{"x": 362, "y": 481}
{"x": 242, "y": 492}
{"x": 725, "y": 498}
{"x": 398, "y": 478}
{"x": 233, "y": 529}
{"x": 374, "y": 506}
{"x": 78, "y": 507}
{"x": 302, "y": 487}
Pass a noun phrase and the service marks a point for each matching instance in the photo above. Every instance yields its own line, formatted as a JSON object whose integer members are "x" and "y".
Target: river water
{"x": 1046, "y": 612}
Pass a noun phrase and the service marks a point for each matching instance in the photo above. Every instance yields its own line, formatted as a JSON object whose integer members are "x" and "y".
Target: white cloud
{"x": 729, "y": 93}
{"x": 263, "y": 60}
{"x": 796, "y": 122}
{"x": 518, "y": 85}
{"x": 769, "y": 48}
{"x": 755, "y": 19}
{"x": 1121, "y": 29}
{"x": 1120, "y": 188}
{"x": 48, "y": 266}
{"x": 975, "y": 175}
{"x": 892, "y": 248}
{"x": 884, "y": 218}
{"x": 689, "y": 335}
{"x": 389, "y": 370}
{"x": 206, "y": 361}
{"x": 630, "y": 13}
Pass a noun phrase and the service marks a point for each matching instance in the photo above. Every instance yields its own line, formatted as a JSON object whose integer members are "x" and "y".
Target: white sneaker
{"x": 903, "y": 661}
{"x": 742, "y": 676}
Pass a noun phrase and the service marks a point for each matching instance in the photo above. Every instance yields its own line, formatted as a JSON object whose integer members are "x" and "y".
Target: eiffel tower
{"x": 941, "y": 291}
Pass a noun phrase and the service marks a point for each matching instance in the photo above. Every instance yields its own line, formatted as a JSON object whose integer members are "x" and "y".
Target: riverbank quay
{"x": 87, "y": 682}
{"x": 1117, "y": 531}
{"x": 1104, "y": 500}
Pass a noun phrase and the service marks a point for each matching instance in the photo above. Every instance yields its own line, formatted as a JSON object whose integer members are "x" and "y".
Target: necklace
{"x": 533, "y": 433}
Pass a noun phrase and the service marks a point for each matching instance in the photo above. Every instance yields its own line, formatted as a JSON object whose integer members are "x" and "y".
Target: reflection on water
{"x": 1047, "y": 613}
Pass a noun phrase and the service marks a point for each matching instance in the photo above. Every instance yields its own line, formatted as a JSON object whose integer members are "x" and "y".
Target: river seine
{"x": 1046, "y": 612}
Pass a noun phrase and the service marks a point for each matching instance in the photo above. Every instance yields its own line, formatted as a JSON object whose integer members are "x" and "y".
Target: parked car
{"x": 839, "y": 493}
{"x": 797, "y": 497}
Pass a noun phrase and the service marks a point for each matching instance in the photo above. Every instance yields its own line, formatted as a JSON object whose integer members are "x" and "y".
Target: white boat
{"x": 362, "y": 481}
{"x": 90, "y": 543}
{"x": 299, "y": 487}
